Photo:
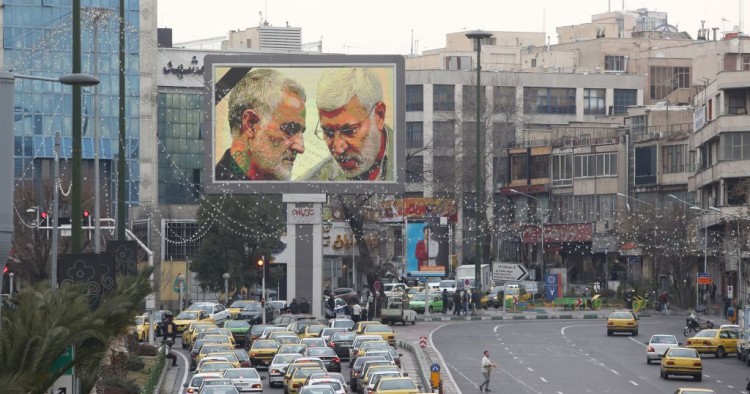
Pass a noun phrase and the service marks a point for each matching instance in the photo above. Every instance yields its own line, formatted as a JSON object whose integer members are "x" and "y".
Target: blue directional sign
{"x": 551, "y": 287}
{"x": 435, "y": 367}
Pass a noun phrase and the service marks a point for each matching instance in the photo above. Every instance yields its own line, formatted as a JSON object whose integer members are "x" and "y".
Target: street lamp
{"x": 262, "y": 265}
{"x": 705, "y": 244}
{"x": 226, "y": 288}
{"x": 542, "y": 225}
{"x": 477, "y": 36}
{"x": 635, "y": 199}
{"x": 740, "y": 279}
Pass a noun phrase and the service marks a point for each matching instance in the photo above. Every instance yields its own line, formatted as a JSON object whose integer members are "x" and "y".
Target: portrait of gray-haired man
{"x": 266, "y": 113}
{"x": 352, "y": 115}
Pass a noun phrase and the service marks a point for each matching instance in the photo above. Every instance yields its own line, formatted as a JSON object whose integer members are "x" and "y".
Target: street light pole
{"x": 541, "y": 225}
{"x": 262, "y": 264}
{"x": 477, "y": 36}
{"x": 226, "y": 288}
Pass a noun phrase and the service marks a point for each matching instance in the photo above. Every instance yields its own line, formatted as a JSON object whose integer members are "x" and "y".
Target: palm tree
{"x": 40, "y": 323}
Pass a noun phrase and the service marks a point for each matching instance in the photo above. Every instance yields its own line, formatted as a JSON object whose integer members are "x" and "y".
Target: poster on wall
{"x": 426, "y": 249}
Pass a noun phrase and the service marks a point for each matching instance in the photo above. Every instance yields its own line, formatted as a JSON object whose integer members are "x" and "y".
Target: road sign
{"x": 377, "y": 285}
{"x": 467, "y": 282}
{"x": 509, "y": 271}
{"x": 704, "y": 278}
{"x": 176, "y": 285}
{"x": 423, "y": 342}
{"x": 435, "y": 375}
{"x": 63, "y": 384}
{"x": 552, "y": 287}
{"x": 730, "y": 292}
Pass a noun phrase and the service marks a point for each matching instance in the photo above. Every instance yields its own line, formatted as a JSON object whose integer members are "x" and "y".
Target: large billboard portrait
{"x": 426, "y": 249}
{"x": 305, "y": 123}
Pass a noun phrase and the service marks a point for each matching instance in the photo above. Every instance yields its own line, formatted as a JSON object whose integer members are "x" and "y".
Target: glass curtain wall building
{"x": 37, "y": 41}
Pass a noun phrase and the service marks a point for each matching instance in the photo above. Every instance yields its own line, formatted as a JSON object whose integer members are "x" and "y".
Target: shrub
{"x": 134, "y": 363}
{"x": 146, "y": 349}
{"x": 119, "y": 385}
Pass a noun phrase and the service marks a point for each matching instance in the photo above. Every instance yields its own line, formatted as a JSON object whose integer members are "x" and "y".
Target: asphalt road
{"x": 572, "y": 356}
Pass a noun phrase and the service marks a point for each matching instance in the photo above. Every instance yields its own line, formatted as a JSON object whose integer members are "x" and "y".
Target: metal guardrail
{"x": 420, "y": 362}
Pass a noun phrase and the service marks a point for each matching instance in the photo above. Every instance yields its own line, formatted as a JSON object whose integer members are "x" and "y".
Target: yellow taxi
{"x": 298, "y": 377}
{"x": 311, "y": 331}
{"x": 212, "y": 348}
{"x": 214, "y": 367}
{"x": 186, "y": 317}
{"x": 141, "y": 328}
{"x": 219, "y": 338}
{"x": 694, "y": 391}
{"x": 262, "y": 351}
{"x": 192, "y": 331}
{"x": 381, "y": 329}
{"x": 396, "y": 386}
{"x": 360, "y": 326}
{"x": 622, "y": 321}
{"x": 237, "y": 306}
{"x": 276, "y": 334}
{"x": 366, "y": 375}
{"x": 681, "y": 361}
{"x": 719, "y": 342}
{"x": 229, "y": 356}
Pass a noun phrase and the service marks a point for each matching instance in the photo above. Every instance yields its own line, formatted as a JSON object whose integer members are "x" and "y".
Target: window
{"x": 181, "y": 240}
{"x": 601, "y": 164}
{"x": 414, "y": 137}
{"x": 614, "y": 63}
{"x": 458, "y": 63}
{"x": 665, "y": 80}
{"x": 562, "y": 170}
{"x": 444, "y": 170}
{"x": 736, "y": 100}
{"x": 539, "y": 166}
{"x": 645, "y": 165}
{"x": 624, "y": 98}
{"x": 519, "y": 166}
{"x": 443, "y": 135}
{"x": 735, "y": 146}
{"x": 502, "y": 135}
{"x": 737, "y": 190}
{"x": 593, "y": 102}
{"x": 414, "y": 169}
{"x": 745, "y": 63}
{"x": 504, "y": 99}
{"x": 639, "y": 124}
{"x": 469, "y": 142}
{"x": 550, "y": 100}
{"x": 414, "y": 98}
{"x": 442, "y": 96}
{"x": 674, "y": 158}
{"x": 470, "y": 99}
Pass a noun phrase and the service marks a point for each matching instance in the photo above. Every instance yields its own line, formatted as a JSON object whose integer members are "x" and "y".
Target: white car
{"x": 337, "y": 387}
{"x": 196, "y": 381}
{"x": 245, "y": 379}
{"x": 278, "y": 367}
{"x": 448, "y": 284}
{"x": 217, "y": 311}
{"x": 658, "y": 345}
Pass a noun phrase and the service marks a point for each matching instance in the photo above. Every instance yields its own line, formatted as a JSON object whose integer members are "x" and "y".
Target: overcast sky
{"x": 385, "y": 26}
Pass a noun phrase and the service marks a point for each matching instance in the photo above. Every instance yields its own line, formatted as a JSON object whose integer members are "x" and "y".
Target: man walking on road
{"x": 487, "y": 366}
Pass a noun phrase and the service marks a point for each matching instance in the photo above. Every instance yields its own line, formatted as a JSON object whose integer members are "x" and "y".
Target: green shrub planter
{"x": 154, "y": 375}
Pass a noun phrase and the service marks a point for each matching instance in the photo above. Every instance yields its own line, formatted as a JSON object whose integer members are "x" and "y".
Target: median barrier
{"x": 420, "y": 362}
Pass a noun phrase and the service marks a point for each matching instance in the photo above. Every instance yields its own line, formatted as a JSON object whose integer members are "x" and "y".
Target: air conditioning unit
{"x": 604, "y": 226}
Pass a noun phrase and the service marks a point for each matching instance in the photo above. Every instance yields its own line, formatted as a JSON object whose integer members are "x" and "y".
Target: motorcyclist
{"x": 169, "y": 328}
{"x": 629, "y": 295}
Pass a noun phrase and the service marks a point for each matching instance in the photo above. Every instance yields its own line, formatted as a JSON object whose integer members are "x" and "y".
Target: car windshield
{"x": 315, "y": 329}
{"x": 241, "y": 303}
{"x": 397, "y": 384}
{"x": 273, "y": 344}
{"x": 621, "y": 315}
{"x": 246, "y": 373}
{"x": 187, "y": 315}
{"x": 257, "y": 329}
{"x": 285, "y": 358}
{"x": 418, "y": 297}
{"x": 242, "y": 355}
{"x": 219, "y": 390}
{"x": 236, "y": 324}
{"x": 691, "y": 353}
{"x": 343, "y": 324}
{"x": 215, "y": 366}
{"x": 254, "y": 307}
{"x": 336, "y": 385}
{"x": 665, "y": 339}
{"x": 343, "y": 336}
{"x": 316, "y": 390}
{"x": 378, "y": 328}
{"x": 305, "y": 372}
{"x": 706, "y": 334}
{"x": 320, "y": 351}
{"x": 213, "y": 348}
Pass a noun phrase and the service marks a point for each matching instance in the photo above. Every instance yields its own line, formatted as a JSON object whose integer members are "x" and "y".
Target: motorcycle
{"x": 694, "y": 323}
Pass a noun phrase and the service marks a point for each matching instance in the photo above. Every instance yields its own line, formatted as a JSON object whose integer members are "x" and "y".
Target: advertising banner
{"x": 394, "y": 211}
{"x": 426, "y": 249}
{"x": 300, "y": 123}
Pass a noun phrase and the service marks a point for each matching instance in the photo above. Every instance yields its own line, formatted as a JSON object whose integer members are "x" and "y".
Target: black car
{"x": 329, "y": 357}
{"x": 253, "y": 313}
{"x": 341, "y": 342}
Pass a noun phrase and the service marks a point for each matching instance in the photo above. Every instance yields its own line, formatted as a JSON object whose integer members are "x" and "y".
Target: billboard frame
{"x": 258, "y": 60}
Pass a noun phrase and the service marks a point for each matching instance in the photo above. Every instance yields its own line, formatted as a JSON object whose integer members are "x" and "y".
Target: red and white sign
{"x": 423, "y": 342}
{"x": 303, "y": 215}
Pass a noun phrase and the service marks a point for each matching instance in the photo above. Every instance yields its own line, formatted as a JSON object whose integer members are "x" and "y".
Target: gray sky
{"x": 385, "y": 26}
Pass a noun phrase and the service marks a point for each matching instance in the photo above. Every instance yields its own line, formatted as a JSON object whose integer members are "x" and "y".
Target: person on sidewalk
{"x": 487, "y": 366}
{"x": 445, "y": 300}
{"x": 457, "y": 302}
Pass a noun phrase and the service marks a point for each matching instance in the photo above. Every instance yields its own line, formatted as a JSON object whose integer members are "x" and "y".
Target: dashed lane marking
{"x": 543, "y": 379}
{"x": 530, "y": 370}
{"x": 634, "y": 383}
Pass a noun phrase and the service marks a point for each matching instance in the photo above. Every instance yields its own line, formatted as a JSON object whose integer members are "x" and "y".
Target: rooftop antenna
{"x": 742, "y": 16}
{"x": 412, "y": 42}
{"x": 260, "y": 18}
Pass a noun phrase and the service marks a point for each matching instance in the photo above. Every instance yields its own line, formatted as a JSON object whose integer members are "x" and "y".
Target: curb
{"x": 515, "y": 317}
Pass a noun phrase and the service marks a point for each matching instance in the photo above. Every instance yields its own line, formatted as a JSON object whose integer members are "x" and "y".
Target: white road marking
{"x": 530, "y": 370}
{"x": 495, "y": 329}
{"x": 543, "y": 379}
{"x": 462, "y": 375}
{"x": 636, "y": 341}
{"x": 450, "y": 375}
{"x": 184, "y": 370}
{"x": 634, "y": 383}
{"x": 731, "y": 387}
{"x": 559, "y": 392}
{"x": 613, "y": 371}
{"x": 719, "y": 381}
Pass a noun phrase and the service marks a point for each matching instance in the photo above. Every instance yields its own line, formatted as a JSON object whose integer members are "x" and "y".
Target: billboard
{"x": 304, "y": 123}
{"x": 426, "y": 249}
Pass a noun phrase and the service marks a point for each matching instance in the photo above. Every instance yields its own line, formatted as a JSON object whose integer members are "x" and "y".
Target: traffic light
{"x": 44, "y": 219}
{"x": 260, "y": 263}
{"x": 86, "y": 215}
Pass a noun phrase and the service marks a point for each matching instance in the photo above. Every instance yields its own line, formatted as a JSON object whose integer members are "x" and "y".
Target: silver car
{"x": 658, "y": 345}
{"x": 278, "y": 367}
{"x": 245, "y": 379}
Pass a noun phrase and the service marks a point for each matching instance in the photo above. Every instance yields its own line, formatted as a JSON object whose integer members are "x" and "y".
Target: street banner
{"x": 126, "y": 256}
{"x": 96, "y": 271}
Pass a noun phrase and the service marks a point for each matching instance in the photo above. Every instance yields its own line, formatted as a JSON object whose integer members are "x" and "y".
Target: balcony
{"x": 724, "y": 123}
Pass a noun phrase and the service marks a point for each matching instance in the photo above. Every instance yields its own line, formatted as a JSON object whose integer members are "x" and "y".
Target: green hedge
{"x": 154, "y": 375}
